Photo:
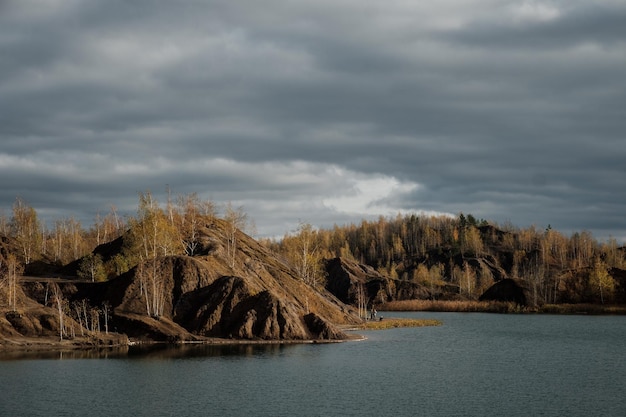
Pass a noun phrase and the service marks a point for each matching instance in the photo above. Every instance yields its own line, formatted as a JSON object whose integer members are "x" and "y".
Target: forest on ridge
{"x": 452, "y": 257}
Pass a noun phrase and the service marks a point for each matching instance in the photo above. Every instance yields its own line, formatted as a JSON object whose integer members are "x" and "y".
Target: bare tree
{"x": 302, "y": 251}
{"x": 84, "y": 314}
{"x": 79, "y": 316}
{"x": 26, "y": 229}
{"x": 469, "y": 279}
{"x": 106, "y": 311}
{"x": 10, "y": 272}
{"x": 192, "y": 213}
{"x": 119, "y": 224}
{"x": 4, "y": 224}
{"x": 152, "y": 287}
{"x": 58, "y": 297}
{"x": 94, "y": 313}
{"x": 59, "y": 238}
{"x": 236, "y": 219}
{"x": 14, "y": 273}
{"x": 106, "y": 228}
{"x": 308, "y": 254}
{"x": 361, "y": 299}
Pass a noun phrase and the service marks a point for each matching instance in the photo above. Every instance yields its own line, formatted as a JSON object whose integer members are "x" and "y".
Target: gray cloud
{"x": 511, "y": 111}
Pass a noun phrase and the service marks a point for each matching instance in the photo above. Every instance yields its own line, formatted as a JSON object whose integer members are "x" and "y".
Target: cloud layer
{"x": 319, "y": 111}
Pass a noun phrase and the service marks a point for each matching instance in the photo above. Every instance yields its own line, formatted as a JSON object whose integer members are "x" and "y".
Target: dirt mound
{"x": 228, "y": 308}
{"x": 508, "y": 290}
{"x": 35, "y": 323}
{"x": 345, "y": 276}
{"x": 236, "y": 289}
{"x": 321, "y": 329}
{"x": 203, "y": 302}
{"x": 145, "y": 328}
{"x": 243, "y": 292}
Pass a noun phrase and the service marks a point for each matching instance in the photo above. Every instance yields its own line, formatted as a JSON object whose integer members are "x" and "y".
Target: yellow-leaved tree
{"x": 601, "y": 282}
{"x": 152, "y": 235}
{"x": 305, "y": 254}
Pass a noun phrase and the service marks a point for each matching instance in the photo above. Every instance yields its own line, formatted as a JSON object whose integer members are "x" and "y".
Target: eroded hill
{"x": 236, "y": 289}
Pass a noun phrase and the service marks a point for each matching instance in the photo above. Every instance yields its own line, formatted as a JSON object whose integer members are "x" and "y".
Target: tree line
{"x": 469, "y": 253}
{"x": 436, "y": 251}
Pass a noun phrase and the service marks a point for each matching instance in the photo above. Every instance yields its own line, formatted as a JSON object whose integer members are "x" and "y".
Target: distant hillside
{"x": 444, "y": 258}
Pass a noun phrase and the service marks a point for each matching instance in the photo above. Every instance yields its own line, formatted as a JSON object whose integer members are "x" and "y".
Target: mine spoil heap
{"x": 229, "y": 291}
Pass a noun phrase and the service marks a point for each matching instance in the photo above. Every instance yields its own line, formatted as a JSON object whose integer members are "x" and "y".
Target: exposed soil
{"x": 250, "y": 296}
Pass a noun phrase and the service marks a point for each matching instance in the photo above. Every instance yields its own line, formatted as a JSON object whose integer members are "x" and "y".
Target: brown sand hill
{"x": 248, "y": 294}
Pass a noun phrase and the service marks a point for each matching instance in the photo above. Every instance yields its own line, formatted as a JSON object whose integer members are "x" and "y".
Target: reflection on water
{"x": 95, "y": 353}
{"x": 150, "y": 351}
{"x": 194, "y": 350}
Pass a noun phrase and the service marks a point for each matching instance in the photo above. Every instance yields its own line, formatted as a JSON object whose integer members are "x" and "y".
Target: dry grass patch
{"x": 453, "y": 306}
{"x": 499, "y": 307}
{"x": 391, "y": 323}
{"x": 582, "y": 309}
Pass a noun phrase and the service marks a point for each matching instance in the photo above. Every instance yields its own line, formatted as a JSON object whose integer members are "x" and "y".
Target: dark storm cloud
{"x": 320, "y": 111}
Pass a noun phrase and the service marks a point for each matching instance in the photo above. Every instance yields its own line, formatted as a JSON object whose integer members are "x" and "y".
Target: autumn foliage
{"x": 442, "y": 253}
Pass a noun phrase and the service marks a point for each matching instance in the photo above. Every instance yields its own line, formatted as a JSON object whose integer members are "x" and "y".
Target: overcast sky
{"x": 324, "y": 112}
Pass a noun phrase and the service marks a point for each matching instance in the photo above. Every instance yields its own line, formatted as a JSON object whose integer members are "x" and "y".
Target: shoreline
{"x": 499, "y": 307}
{"x": 10, "y": 346}
{"x": 44, "y": 344}
{"x": 48, "y": 344}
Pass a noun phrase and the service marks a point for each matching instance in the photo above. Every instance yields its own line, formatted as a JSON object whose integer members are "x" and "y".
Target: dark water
{"x": 473, "y": 365}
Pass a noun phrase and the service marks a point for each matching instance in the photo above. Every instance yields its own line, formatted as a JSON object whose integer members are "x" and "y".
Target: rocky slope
{"x": 248, "y": 294}
{"x": 33, "y": 325}
{"x": 344, "y": 276}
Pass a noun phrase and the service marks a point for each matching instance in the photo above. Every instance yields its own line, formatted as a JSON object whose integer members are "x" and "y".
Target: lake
{"x": 473, "y": 365}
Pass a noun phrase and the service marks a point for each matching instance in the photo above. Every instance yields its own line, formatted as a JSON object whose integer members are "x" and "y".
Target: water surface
{"x": 473, "y": 365}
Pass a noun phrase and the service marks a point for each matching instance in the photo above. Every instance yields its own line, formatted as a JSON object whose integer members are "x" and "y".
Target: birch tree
{"x": 305, "y": 254}
{"x": 77, "y": 242}
{"x": 59, "y": 301}
{"x": 26, "y": 230}
{"x": 361, "y": 299}
{"x": 601, "y": 282}
{"x": 151, "y": 234}
{"x": 4, "y": 224}
{"x": 191, "y": 214}
{"x": 152, "y": 287}
{"x": 59, "y": 239}
{"x": 107, "y": 228}
{"x": 236, "y": 219}
{"x": 92, "y": 268}
{"x": 10, "y": 271}
{"x": 468, "y": 280}
{"x": 106, "y": 312}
